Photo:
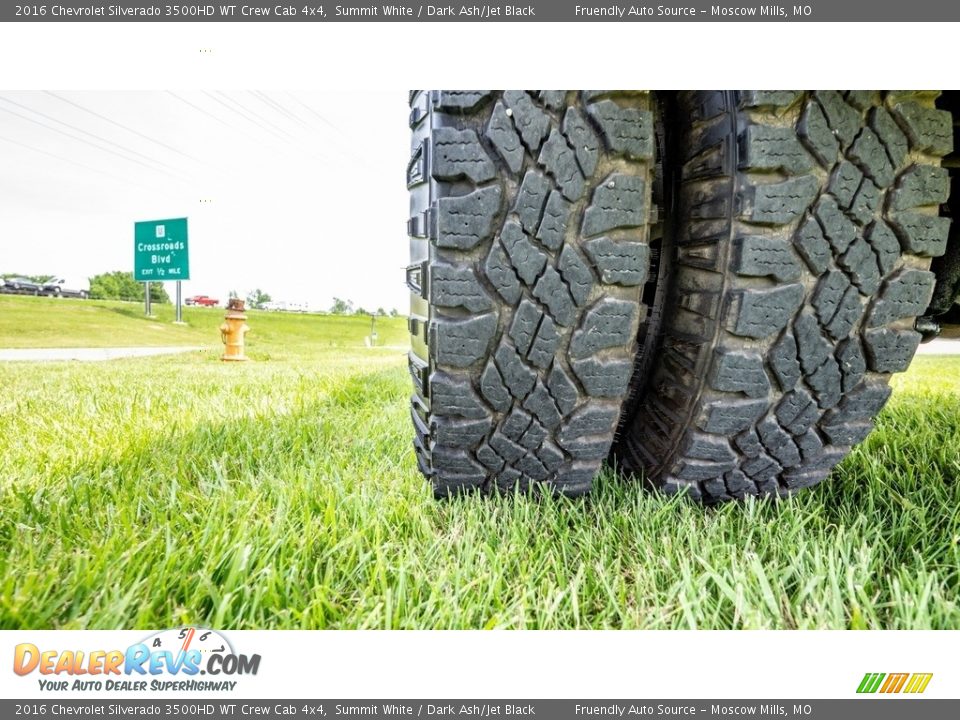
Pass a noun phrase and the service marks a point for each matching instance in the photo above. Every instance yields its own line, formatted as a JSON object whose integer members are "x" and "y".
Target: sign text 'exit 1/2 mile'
{"x": 160, "y": 250}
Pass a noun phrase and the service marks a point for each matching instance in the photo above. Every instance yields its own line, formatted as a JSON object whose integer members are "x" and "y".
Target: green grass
{"x": 283, "y": 494}
{"x": 29, "y": 322}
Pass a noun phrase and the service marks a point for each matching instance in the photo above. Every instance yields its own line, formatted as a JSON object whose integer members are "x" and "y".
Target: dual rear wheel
{"x": 712, "y": 287}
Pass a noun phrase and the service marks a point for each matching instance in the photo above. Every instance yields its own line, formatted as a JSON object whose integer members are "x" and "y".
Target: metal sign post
{"x": 179, "y": 319}
{"x": 146, "y": 298}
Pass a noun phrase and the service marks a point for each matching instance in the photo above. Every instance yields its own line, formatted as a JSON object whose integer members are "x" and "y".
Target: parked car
{"x": 21, "y": 286}
{"x": 61, "y": 288}
{"x": 204, "y": 300}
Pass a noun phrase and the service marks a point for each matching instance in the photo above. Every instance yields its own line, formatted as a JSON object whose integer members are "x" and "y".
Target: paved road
{"x": 87, "y": 354}
{"x": 937, "y": 347}
{"x": 941, "y": 346}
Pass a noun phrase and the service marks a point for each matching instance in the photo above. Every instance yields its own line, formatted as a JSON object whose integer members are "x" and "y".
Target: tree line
{"x": 346, "y": 307}
{"x": 120, "y": 285}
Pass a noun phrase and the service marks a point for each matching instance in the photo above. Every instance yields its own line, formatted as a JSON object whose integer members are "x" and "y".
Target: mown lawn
{"x": 284, "y": 494}
{"x": 30, "y": 322}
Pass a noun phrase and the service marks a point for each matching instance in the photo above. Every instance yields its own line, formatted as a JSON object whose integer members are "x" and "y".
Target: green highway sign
{"x": 160, "y": 250}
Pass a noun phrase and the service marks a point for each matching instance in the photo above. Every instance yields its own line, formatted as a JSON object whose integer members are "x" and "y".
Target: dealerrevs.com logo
{"x": 170, "y": 660}
{"x": 891, "y": 683}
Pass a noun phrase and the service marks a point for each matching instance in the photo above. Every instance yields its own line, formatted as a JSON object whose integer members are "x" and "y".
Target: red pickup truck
{"x": 204, "y": 300}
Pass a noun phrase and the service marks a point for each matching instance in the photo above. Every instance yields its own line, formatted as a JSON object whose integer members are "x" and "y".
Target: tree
{"x": 120, "y": 285}
{"x": 394, "y": 312}
{"x": 360, "y": 311}
{"x": 257, "y": 299}
{"x": 381, "y": 311}
{"x": 341, "y": 306}
{"x": 233, "y": 294}
{"x": 158, "y": 293}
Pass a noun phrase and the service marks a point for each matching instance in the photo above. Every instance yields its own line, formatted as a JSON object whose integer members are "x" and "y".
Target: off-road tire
{"x": 528, "y": 247}
{"x": 805, "y": 226}
{"x": 946, "y": 293}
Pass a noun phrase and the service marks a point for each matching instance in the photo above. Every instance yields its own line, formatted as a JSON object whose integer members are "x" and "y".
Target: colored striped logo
{"x": 894, "y": 683}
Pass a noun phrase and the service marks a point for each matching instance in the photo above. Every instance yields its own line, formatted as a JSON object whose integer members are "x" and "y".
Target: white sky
{"x": 299, "y": 193}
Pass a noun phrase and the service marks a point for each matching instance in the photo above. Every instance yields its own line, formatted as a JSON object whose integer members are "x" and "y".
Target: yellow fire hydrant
{"x": 233, "y": 329}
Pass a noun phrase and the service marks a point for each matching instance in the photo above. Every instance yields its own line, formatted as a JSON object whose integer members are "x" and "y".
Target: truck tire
{"x": 528, "y": 247}
{"x": 805, "y": 223}
{"x": 946, "y": 268}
